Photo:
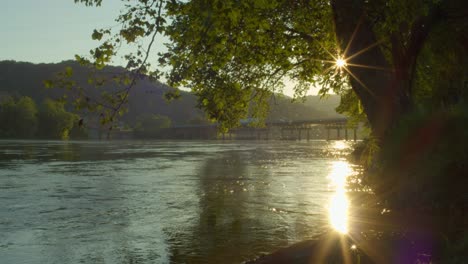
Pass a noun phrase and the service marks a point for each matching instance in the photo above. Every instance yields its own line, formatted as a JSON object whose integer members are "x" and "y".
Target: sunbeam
{"x": 368, "y": 67}
{"x": 359, "y": 81}
{"x": 353, "y": 35}
{"x": 364, "y": 49}
{"x": 327, "y": 51}
{"x": 328, "y": 69}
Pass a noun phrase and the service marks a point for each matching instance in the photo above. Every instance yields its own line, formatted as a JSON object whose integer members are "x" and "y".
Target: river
{"x": 163, "y": 202}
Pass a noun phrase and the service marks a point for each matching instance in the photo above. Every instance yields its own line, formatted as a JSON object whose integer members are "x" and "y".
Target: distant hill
{"x": 282, "y": 108}
{"x": 26, "y": 79}
{"x": 326, "y": 105}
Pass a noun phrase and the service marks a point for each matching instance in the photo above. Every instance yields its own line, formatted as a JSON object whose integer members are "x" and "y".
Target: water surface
{"x": 161, "y": 202}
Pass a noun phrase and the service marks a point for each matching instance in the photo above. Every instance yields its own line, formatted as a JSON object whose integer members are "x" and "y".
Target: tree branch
{"x": 137, "y": 73}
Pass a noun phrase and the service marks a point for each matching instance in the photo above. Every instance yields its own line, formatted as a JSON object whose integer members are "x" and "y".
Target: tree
{"x": 233, "y": 54}
{"x": 54, "y": 121}
{"x": 18, "y": 119}
{"x": 387, "y": 96}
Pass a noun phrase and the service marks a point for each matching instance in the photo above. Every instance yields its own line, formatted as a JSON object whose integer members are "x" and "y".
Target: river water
{"x": 162, "y": 202}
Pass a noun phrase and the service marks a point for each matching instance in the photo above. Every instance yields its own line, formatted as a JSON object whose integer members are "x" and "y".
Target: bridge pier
{"x": 339, "y": 134}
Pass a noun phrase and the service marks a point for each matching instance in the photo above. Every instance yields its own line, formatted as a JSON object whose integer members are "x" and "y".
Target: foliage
{"x": 365, "y": 152}
{"x": 351, "y": 106}
{"x": 234, "y": 54}
{"x": 90, "y": 2}
{"x": 54, "y": 121}
{"x": 18, "y": 118}
{"x": 441, "y": 77}
{"x": 423, "y": 162}
{"x": 231, "y": 54}
{"x": 241, "y": 48}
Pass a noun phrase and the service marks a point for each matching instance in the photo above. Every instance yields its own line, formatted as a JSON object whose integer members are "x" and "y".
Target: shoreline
{"x": 377, "y": 238}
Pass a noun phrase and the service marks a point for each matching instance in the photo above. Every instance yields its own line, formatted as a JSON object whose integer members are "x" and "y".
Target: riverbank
{"x": 381, "y": 238}
{"x": 330, "y": 248}
{"x": 336, "y": 248}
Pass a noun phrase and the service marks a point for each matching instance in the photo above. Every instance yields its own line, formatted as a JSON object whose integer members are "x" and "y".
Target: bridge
{"x": 301, "y": 129}
{"x": 329, "y": 128}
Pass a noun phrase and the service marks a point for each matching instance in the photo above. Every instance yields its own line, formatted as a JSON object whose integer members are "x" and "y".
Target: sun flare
{"x": 340, "y": 63}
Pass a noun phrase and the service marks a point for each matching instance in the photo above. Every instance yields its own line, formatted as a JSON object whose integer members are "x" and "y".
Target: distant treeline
{"x": 23, "y": 118}
{"x": 147, "y": 109}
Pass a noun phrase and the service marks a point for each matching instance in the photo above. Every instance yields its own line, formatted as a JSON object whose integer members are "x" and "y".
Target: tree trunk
{"x": 382, "y": 90}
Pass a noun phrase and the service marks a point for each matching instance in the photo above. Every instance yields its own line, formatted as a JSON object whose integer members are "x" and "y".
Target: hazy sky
{"x": 50, "y": 30}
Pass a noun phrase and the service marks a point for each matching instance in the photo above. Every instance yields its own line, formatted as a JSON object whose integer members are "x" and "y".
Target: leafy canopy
{"x": 234, "y": 54}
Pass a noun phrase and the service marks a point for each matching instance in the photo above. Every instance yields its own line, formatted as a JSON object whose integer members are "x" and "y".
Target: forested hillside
{"x": 26, "y": 79}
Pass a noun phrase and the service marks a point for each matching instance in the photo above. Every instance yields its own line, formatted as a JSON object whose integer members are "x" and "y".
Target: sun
{"x": 340, "y": 62}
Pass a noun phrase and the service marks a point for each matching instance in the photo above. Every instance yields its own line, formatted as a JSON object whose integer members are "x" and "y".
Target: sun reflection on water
{"x": 340, "y": 144}
{"x": 339, "y": 203}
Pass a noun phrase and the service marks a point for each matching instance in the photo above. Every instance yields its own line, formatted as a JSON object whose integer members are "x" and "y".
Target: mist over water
{"x": 161, "y": 202}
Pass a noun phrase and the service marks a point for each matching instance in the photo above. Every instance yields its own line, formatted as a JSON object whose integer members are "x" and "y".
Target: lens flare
{"x": 340, "y": 63}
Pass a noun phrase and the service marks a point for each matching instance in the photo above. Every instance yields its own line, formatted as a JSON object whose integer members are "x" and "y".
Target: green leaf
{"x": 97, "y": 35}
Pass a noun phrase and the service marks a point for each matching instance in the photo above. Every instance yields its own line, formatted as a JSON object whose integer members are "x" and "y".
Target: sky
{"x": 51, "y": 31}
{"x": 44, "y": 31}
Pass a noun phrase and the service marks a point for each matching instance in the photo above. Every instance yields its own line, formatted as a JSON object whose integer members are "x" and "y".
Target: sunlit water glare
{"x": 339, "y": 203}
{"x": 166, "y": 202}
